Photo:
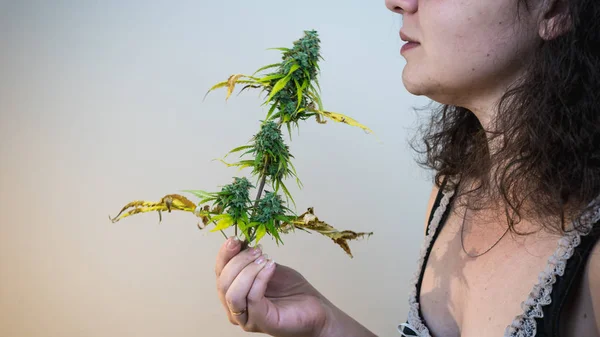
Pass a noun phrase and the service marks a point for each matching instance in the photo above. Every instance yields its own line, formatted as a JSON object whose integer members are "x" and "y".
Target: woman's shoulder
{"x": 582, "y": 313}
{"x": 592, "y": 273}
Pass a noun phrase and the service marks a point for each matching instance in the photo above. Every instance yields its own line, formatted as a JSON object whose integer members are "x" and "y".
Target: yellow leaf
{"x": 167, "y": 203}
{"x": 342, "y": 119}
{"x": 260, "y": 232}
{"x": 231, "y": 84}
{"x": 224, "y": 223}
{"x": 309, "y": 221}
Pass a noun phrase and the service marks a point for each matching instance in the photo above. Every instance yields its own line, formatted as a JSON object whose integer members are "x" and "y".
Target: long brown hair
{"x": 549, "y": 125}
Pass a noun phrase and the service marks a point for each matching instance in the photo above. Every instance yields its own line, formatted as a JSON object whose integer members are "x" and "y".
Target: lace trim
{"x": 524, "y": 324}
{"x": 414, "y": 320}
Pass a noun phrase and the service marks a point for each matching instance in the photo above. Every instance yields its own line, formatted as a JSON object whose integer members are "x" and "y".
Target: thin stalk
{"x": 261, "y": 187}
{"x": 225, "y": 235}
{"x": 263, "y": 180}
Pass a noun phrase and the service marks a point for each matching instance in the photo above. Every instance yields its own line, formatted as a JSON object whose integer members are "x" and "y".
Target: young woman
{"x": 512, "y": 229}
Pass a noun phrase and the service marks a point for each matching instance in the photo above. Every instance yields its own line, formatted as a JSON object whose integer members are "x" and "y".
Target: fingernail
{"x": 233, "y": 242}
{"x": 271, "y": 263}
{"x": 262, "y": 259}
{"x": 257, "y": 250}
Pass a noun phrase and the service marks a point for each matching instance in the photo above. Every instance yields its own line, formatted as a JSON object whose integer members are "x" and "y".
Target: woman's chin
{"x": 433, "y": 91}
{"x": 414, "y": 86}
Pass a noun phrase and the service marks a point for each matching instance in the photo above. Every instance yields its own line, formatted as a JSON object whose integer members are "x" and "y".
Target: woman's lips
{"x": 410, "y": 42}
{"x": 409, "y": 45}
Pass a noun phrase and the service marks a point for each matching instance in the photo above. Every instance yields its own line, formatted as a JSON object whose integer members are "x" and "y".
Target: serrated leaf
{"x": 260, "y": 232}
{"x": 273, "y": 107}
{"x": 266, "y": 67}
{"x": 219, "y": 217}
{"x": 242, "y": 164}
{"x": 239, "y": 148}
{"x": 223, "y": 223}
{"x": 289, "y": 128}
{"x": 309, "y": 221}
{"x": 300, "y": 90}
{"x": 278, "y": 86}
{"x": 317, "y": 83}
{"x": 293, "y": 68}
{"x": 231, "y": 84}
{"x": 315, "y": 98}
{"x": 287, "y": 192}
{"x": 282, "y": 49}
{"x": 343, "y": 119}
{"x": 269, "y": 78}
{"x": 271, "y": 228}
{"x": 199, "y": 193}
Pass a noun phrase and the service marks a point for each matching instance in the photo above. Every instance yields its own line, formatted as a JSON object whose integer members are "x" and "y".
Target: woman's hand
{"x": 261, "y": 296}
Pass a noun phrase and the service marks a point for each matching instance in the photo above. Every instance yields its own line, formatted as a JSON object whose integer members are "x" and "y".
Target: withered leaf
{"x": 167, "y": 203}
{"x": 309, "y": 221}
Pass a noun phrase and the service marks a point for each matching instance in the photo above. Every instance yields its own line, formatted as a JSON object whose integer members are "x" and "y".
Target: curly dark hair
{"x": 549, "y": 128}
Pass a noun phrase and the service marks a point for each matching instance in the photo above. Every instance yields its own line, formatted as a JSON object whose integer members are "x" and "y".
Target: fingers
{"x": 259, "y": 287}
{"x": 230, "y": 262}
{"x": 228, "y": 250}
{"x": 236, "y": 296}
{"x": 235, "y": 265}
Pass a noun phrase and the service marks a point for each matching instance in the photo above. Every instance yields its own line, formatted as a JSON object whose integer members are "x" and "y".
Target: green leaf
{"x": 316, "y": 65}
{"x": 199, "y": 193}
{"x": 296, "y": 175}
{"x": 272, "y": 109}
{"x": 306, "y": 73}
{"x": 271, "y": 228}
{"x": 207, "y": 200}
{"x": 219, "y": 85}
{"x": 300, "y": 89}
{"x": 242, "y": 164}
{"x": 289, "y": 130}
{"x": 266, "y": 67}
{"x": 287, "y": 193}
{"x": 316, "y": 98}
{"x": 278, "y": 86}
{"x": 219, "y": 216}
{"x": 317, "y": 83}
{"x": 223, "y": 223}
{"x": 239, "y": 148}
{"x": 269, "y": 78}
{"x": 282, "y": 49}
{"x": 216, "y": 86}
{"x": 260, "y": 232}
{"x": 293, "y": 68}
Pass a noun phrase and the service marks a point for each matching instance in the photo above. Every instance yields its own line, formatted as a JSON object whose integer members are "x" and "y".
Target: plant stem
{"x": 263, "y": 180}
{"x": 225, "y": 235}
{"x": 261, "y": 187}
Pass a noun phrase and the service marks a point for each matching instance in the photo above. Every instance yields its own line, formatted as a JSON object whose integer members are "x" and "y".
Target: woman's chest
{"x": 468, "y": 296}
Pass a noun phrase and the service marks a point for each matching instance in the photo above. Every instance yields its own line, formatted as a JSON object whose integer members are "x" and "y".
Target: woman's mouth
{"x": 410, "y": 42}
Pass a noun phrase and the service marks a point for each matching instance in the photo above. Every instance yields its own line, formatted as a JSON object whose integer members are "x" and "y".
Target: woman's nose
{"x": 402, "y": 6}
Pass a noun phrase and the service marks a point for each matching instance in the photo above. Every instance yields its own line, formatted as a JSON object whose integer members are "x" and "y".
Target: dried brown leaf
{"x": 167, "y": 203}
{"x": 309, "y": 221}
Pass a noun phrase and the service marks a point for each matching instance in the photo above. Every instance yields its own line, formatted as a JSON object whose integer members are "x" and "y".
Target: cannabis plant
{"x": 292, "y": 93}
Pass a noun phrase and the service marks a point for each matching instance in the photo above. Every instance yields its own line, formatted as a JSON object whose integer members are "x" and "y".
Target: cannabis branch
{"x": 293, "y": 93}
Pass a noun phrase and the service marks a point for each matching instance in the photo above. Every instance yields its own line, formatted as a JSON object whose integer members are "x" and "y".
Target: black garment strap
{"x": 407, "y": 331}
{"x": 548, "y": 326}
{"x": 436, "y": 204}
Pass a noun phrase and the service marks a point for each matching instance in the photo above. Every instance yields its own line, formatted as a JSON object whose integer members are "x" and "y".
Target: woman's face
{"x": 467, "y": 51}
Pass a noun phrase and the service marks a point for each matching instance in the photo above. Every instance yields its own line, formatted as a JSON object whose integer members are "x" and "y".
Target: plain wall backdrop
{"x": 101, "y": 104}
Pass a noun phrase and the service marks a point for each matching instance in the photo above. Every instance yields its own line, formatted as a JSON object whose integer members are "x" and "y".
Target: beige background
{"x": 101, "y": 104}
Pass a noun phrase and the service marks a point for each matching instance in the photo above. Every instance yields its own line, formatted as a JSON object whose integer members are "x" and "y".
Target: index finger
{"x": 228, "y": 250}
